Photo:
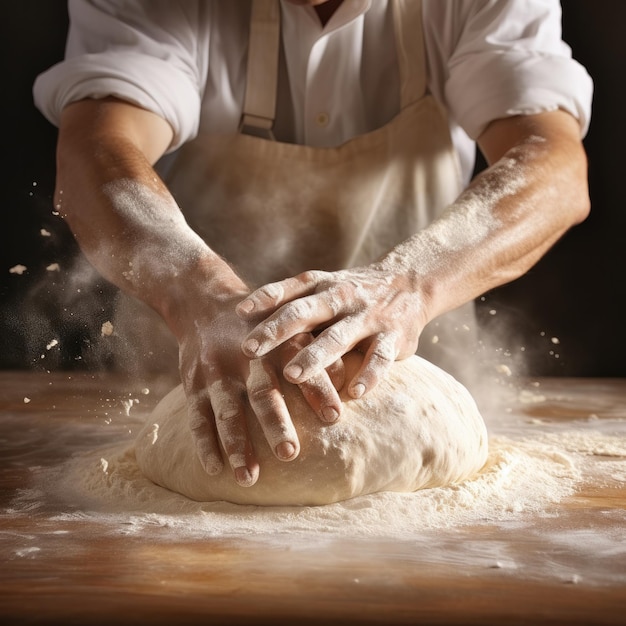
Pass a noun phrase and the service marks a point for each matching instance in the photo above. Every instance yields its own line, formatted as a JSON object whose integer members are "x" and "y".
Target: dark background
{"x": 574, "y": 294}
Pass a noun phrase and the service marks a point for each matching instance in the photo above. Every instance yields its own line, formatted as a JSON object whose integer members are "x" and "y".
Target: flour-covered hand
{"x": 224, "y": 387}
{"x": 370, "y": 308}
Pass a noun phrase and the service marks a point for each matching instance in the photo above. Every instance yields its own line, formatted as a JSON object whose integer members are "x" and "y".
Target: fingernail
{"x": 251, "y": 346}
{"x": 212, "y": 465}
{"x": 243, "y": 476}
{"x": 292, "y": 371}
{"x": 358, "y": 390}
{"x": 285, "y": 450}
{"x": 329, "y": 414}
{"x": 247, "y": 306}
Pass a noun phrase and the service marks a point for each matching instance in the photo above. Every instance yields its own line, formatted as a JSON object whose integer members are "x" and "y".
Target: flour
{"x": 153, "y": 212}
{"x": 532, "y": 476}
{"x": 528, "y": 475}
{"x": 520, "y": 479}
{"x": 418, "y": 428}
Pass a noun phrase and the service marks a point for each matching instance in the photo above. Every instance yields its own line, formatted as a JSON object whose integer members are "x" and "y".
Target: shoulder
{"x": 489, "y": 59}
{"x": 485, "y": 23}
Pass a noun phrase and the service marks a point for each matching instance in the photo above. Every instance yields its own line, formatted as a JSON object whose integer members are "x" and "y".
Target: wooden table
{"x": 75, "y": 569}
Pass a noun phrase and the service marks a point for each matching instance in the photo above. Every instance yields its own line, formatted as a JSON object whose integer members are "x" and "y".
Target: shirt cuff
{"x": 156, "y": 85}
{"x": 516, "y": 83}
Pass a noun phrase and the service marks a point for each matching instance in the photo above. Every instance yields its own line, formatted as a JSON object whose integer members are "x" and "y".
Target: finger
{"x": 269, "y": 406}
{"x": 300, "y": 316}
{"x": 321, "y": 395}
{"x": 379, "y": 357}
{"x": 336, "y": 371}
{"x": 320, "y": 392}
{"x": 291, "y": 347}
{"x": 202, "y": 424}
{"x": 328, "y": 347}
{"x": 337, "y": 374}
{"x": 269, "y": 297}
{"x": 230, "y": 420}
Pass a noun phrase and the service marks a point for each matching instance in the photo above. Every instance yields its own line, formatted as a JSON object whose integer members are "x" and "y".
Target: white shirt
{"x": 186, "y": 62}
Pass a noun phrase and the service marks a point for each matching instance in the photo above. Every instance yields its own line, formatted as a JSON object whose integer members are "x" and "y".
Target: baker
{"x": 285, "y": 182}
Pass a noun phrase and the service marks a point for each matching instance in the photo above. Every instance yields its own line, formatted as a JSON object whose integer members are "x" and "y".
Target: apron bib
{"x": 274, "y": 209}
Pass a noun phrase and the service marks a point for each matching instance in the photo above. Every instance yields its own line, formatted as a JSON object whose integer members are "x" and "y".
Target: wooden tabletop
{"x": 62, "y": 566}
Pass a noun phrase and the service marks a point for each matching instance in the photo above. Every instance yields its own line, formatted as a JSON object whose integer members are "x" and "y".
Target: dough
{"x": 416, "y": 429}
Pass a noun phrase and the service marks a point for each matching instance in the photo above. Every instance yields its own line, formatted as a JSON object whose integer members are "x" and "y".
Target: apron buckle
{"x": 257, "y": 126}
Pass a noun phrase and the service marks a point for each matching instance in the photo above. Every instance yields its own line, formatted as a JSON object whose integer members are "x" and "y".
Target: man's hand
{"x": 510, "y": 215}
{"x": 370, "y": 308}
{"x": 131, "y": 229}
{"x": 224, "y": 387}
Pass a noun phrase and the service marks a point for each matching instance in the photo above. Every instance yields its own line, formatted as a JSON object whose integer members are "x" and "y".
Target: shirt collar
{"x": 348, "y": 11}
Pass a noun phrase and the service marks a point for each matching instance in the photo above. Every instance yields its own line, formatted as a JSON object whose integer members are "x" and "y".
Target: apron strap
{"x": 407, "y": 15}
{"x": 259, "y": 109}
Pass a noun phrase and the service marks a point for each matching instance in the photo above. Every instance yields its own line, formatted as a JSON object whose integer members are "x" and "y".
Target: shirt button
{"x": 321, "y": 119}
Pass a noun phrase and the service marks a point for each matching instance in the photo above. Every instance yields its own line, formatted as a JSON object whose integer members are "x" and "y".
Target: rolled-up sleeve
{"x": 510, "y": 59}
{"x": 142, "y": 52}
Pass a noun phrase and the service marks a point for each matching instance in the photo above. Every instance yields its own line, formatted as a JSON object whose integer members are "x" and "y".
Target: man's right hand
{"x": 223, "y": 387}
{"x": 132, "y": 231}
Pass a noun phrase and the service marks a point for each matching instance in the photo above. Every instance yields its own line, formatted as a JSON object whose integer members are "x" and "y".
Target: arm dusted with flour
{"x": 131, "y": 229}
{"x": 534, "y": 190}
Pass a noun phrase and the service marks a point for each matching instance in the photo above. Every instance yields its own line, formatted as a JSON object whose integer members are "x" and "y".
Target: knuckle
{"x": 233, "y": 440}
{"x": 300, "y": 309}
{"x": 208, "y": 452}
{"x": 197, "y": 411}
{"x": 228, "y": 415}
{"x": 271, "y": 330}
{"x": 344, "y": 290}
{"x": 272, "y": 292}
{"x": 263, "y": 387}
{"x": 382, "y": 356}
{"x": 261, "y": 395}
{"x": 197, "y": 421}
{"x": 225, "y": 401}
{"x": 335, "y": 337}
{"x": 311, "y": 276}
{"x": 384, "y": 353}
{"x": 311, "y": 356}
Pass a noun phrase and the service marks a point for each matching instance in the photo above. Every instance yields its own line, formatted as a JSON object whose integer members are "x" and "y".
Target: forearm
{"x": 506, "y": 220}
{"x": 126, "y": 221}
{"x": 131, "y": 229}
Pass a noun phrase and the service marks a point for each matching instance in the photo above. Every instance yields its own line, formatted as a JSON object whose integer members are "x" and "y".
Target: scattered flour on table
{"x": 521, "y": 478}
{"x": 390, "y": 440}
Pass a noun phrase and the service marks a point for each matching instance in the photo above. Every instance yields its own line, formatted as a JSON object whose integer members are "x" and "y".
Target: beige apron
{"x": 275, "y": 209}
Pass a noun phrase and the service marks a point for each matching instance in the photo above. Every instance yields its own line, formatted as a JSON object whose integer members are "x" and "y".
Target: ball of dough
{"x": 418, "y": 428}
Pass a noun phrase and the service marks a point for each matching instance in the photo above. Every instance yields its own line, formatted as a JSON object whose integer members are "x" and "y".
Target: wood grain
{"x": 72, "y": 570}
